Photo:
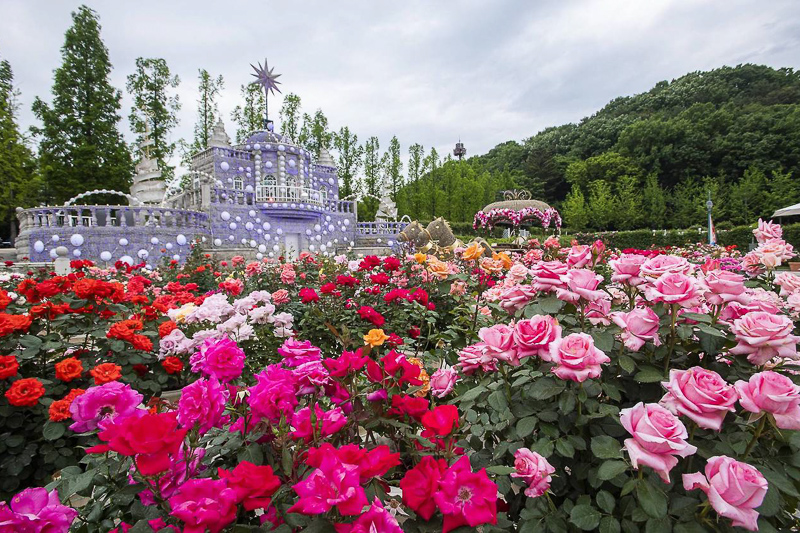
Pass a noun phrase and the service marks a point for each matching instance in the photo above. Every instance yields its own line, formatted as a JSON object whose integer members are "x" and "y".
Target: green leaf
{"x": 53, "y": 430}
{"x": 525, "y": 426}
{"x": 585, "y": 517}
{"x": 564, "y": 448}
{"x": 497, "y": 401}
{"x": 609, "y": 524}
{"x": 605, "y": 501}
{"x": 611, "y": 469}
{"x": 689, "y": 527}
{"x": 658, "y": 525}
{"x": 697, "y": 317}
{"x": 651, "y": 499}
{"x": 627, "y": 363}
{"x": 550, "y": 305}
{"x": 649, "y": 374}
{"x": 501, "y": 470}
{"x": 779, "y": 480}
{"x": 545, "y": 388}
{"x": 603, "y": 339}
{"x": 605, "y": 447}
{"x": 473, "y": 393}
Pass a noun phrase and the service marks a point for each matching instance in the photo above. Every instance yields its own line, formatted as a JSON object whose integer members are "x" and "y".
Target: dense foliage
{"x": 567, "y": 389}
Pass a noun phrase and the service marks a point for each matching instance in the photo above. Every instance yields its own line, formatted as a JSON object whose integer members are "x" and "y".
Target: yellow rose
{"x": 183, "y": 312}
{"x": 473, "y": 251}
{"x": 423, "y": 377}
{"x": 420, "y": 257}
{"x": 375, "y": 337}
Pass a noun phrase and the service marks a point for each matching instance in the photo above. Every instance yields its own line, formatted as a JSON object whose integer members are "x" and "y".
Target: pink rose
{"x": 576, "y": 357}
{"x": 580, "y": 284}
{"x": 476, "y": 357}
{"x": 789, "y": 283}
{"x": 770, "y": 392}
{"x": 547, "y": 275}
{"x": 627, "y": 269}
{"x": 793, "y": 302}
{"x": 534, "y": 470}
{"x": 443, "y": 381}
{"x": 579, "y": 256}
{"x": 762, "y": 336}
{"x": 518, "y": 272}
{"x": 658, "y": 436}
{"x": 499, "y": 341}
{"x": 657, "y": 266}
{"x": 700, "y": 394}
{"x": 673, "y": 289}
{"x": 752, "y": 264}
{"x": 281, "y": 296}
{"x": 767, "y": 230}
{"x": 735, "y": 490}
{"x": 725, "y": 287}
{"x": 597, "y": 312}
{"x": 638, "y": 325}
{"x": 534, "y": 335}
{"x": 514, "y": 298}
{"x": 782, "y": 250}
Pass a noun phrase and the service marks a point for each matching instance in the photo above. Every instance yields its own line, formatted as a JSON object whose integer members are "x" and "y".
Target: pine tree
{"x": 81, "y": 148}
{"x": 784, "y": 190}
{"x": 394, "y": 167}
{"x": 250, "y": 116}
{"x": 290, "y": 117}
{"x": 654, "y": 203}
{"x": 154, "y": 106}
{"x": 348, "y": 160}
{"x": 576, "y": 218}
{"x": 207, "y": 109}
{"x": 20, "y": 184}
{"x": 629, "y": 203}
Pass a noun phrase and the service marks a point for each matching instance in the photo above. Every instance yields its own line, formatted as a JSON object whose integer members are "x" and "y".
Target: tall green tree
{"x": 314, "y": 135}
{"x": 207, "y": 109}
{"x": 373, "y": 177}
{"x": 394, "y": 167}
{"x": 348, "y": 160}
{"x": 290, "y": 117}
{"x": 154, "y": 106}
{"x": 601, "y": 205}
{"x": 654, "y": 203}
{"x": 249, "y": 117}
{"x": 576, "y": 216}
{"x": 80, "y": 147}
{"x": 416, "y": 154}
{"x": 20, "y": 183}
{"x": 431, "y": 161}
{"x": 629, "y": 203}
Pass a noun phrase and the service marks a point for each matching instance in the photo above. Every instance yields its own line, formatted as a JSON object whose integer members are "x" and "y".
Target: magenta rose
{"x": 576, "y": 357}
{"x": 762, "y": 336}
{"x": 534, "y": 335}
{"x": 297, "y": 352}
{"x": 657, "y": 266}
{"x": 534, "y": 470}
{"x": 627, "y": 269}
{"x": 102, "y": 404}
{"x": 547, "y": 275}
{"x": 638, "y": 325}
{"x": 579, "y": 256}
{"x": 673, "y": 289}
{"x": 580, "y": 283}
{"x": 204, "y": 504}
{"x": 734, "y": 489}
{"x": 725, "y": 287}
{"x": 443, "y": 381}
{"x": 658, "y": 436}
{"x": 701, "y": 395}
{"x": 773, "y": 393}
{"x": 36, "y": 510}
{"x": 202, "y": 403}
{"x": 499, "y": 341}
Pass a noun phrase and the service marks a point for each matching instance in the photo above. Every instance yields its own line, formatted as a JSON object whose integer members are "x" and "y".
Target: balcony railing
{"x": 380, "y": 228}
{"x": 284, "y": 194}
{"x": 103, "y": 216}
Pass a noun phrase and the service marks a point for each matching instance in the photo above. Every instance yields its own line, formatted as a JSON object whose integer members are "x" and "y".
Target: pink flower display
{"x": 296, "y": 352}
{"x": 221, "y": 359}
{"x": 476, "y": 357}
{"x": 253, "y": 485}
{"x": 499, "y": 342}
{"x": 627, "y": 269}
{"x": 347, "y": 363}
{"x": 202, "y": 403}
{"x": 657, "y": 266}
{"x": 547, "y": 275}
{"x": 102, "y": 404}
{"x": 375, "y": 520}
{"x": 204, "y": 504}
{"x": 443, "y": 381}
{"x": 734, "y": 489}
{"x": 638, "y": 325}
{"x": 516, "y": 217}
{"x": 579, "y": 256}
{"x": 576, "y": 357}
{"x": 788, "y": 282}
{"x": 421, "y": 483}
{"x": 767, "y": 230}
{"x": 534, "y": 335}
{"x": 673, "y": 289}
{"x": 36, "y": 510}
{"x": 773, "y": 393}
{"x": 700, "y": 394}
{"x": 580, "y": 284}
{"x": 724, "y": 287}
{"x": 597, "y": 312}
{"x": 326, "y": 423}
{"x": 466, "y": 498}
{"x": 153, "y": 439}
{"x": 658, "y": 436}
{"x": 762, "y": 336}
{"x": 534, "y": 470}
{"x": 333, "y": 484}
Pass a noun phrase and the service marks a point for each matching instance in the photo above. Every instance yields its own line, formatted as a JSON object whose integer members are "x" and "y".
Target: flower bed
{"x": 565, "y": 389}
{"x": 516, "y": 217}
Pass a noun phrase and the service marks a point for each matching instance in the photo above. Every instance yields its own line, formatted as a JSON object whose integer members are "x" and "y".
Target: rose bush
{"x": 564, "y": 389}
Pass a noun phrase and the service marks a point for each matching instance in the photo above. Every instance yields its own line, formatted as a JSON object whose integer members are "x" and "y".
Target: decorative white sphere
{"x": 279, "y": 231}
{"x": 262, "y": 248}
{"x": 154, "y": 240}
{"x": 248, "y": 188}
{"x": 390, "y": 243}
{"x": 317, "y": 227}
{"x": 225, "y": 215}
{"x": 308, "y": 232}
{"x": 318, "y": 237}
{"x": 267, "y": 236}
{"x": 268, "y": 164}
{"x": 232, "y": 225}
{"x": 143, "y": 254}
{"x": 180, "y": 239}
{"x": 312, "y": 247}
{"x": 55, "y": 238}
{"x": 217, "y": 242}
{"x": 347, "y": 222}
{"x": 230, "y": 180}
{"x": 244, "y": 241}
{"x": 330, "y": 227}
{"x": 38, "y": 246}
{"x": 322, "y": 247}
{"x": 271, "y": 254}
{"x": 105, "y": 255}
{"x": 327, "y": 218}
{"x": 330, "y": 181}
{"x": 248, "y": 226}
{"x": 259, "y": 256}
{"x": 352, "y": 243}
{"x": 251, "y": 213}
{"x": 231, "y": 238}
{"x": 379, "y": 240}
{"x": 252, "y": 243}
{"x": 238, "y": 219}
{"x": 275, "y": 247}
{"x": 292, "y": 163}
{"x": 266, "y": 226}
{"x": 123, "y": 242}
{"x": 53, "y": 253}
{"x": 329, "y": 244}
{"x": 127, "y": 259}
{"x": 76, "y": 239}
{"x": 224, "y": 166}
{"x": 256, "y": 146}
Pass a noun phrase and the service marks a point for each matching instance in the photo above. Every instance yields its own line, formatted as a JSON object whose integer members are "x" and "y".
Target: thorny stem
{"x": 757, "y": 434}
{"x": 672, "y": 336}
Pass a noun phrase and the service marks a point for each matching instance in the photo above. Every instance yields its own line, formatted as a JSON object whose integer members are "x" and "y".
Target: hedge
{"x": 741, "y": 236}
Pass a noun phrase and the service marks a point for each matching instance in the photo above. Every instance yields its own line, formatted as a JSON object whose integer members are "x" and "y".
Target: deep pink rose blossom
{"x": 673, "y": 289}
{"x": 466, "y": 498}
{"x": 534, "y": 470}
{"x": 576, "y": 357}
{"x": 580, "y": 284}
{"x": 627, "y": 269}
{"x": 443, "y": 381}
{"x": 204, "y": 504}
{"x": 534, "y": 335}
{"x": 770, "y": 392}
{"x": 499, "y": 341}
{"x": 638, "y": 325}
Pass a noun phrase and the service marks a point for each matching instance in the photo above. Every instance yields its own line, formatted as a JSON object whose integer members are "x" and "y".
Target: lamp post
{"x": 709, "y": 205}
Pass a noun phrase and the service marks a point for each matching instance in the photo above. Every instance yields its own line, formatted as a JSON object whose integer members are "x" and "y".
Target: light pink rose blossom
{"x": 576, "y": 357}
{"x": 579, "y": 256}
{"x": 547, "y": 275}
{"x": 443, "y": 381}
{"x": 724, "y": 287}
{"x": 499, "y": 341}
{"x": 658, "y": 436}
{"x": 657, "y": 266}
{"x": 534, "y": 470}
{"x": 763, "y": 336}
{"x": 638, "y": 325}
{"x": 734, "y": 489}
{"x": 476, "y": 357}
{"x": 534, "y": 335}
{"x": 597, "y": 312}
{"x": 627, "y": 269}
{"x": 580, "y": 283}
{"x": 767, "y": 230}
{"x": 773, "y": 393}
{"x": 788, "y": 282}
{"x": 673, "y": 289}
{"x": 700, "y": 394}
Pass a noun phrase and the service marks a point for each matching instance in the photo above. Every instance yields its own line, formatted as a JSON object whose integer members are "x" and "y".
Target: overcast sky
{"x": 426, "y": 71}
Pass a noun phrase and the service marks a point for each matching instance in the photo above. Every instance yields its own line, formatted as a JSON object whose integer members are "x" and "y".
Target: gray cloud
{"x": 429, "y": 72}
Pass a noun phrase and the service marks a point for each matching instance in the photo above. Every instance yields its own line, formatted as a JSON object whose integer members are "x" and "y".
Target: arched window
{"x": 238, "y": 183}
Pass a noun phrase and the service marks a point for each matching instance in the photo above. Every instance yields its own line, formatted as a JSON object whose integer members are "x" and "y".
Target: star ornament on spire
{"x": 266, "y": 78}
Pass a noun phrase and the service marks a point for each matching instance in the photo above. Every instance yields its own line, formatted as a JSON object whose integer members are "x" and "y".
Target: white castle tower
{"x": 148, "y": 186}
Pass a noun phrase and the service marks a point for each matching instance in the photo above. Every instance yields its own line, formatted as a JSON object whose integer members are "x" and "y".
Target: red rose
{"x": 172, "y": 364}
{"x": 441, "y": 420}
{"x": 409, "y": 405}
{"x": 391, "y": 263}
{"x": 253, "y": 484}
{"x": 308, "y": 295}
{"x": 166, "y": 328}
{"x": 25, "y": 392}
{"x": 106, "y": 373}
{"x": 420, "y": 483}
{"x": 152, "y": 438}
{"x": 59, "y": 410}
{"x": 69, "y": 369}
{"x": 8, "y": 366}
{"x": 414, "y": 332}
{"x": 11, "y": 323}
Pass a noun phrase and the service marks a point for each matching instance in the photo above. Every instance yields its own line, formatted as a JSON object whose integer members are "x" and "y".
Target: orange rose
{"x": 375, "y": 337}
{"x": 423, "y": 376}
{"x": 491, "y": 266}
{"x": 166, "y": 328}
{"x": 420, "y": 258}
{"x": 59, "y": 410}
{"x": 106, "y": 373}
{"x": 69, "y": 369}
{"x": 473, "y": 251}
{"x": 25, "y": 392}
{"x": 172, "y": 364}
{"x": 504, "y": 259}
{"x": 438, "y": 269}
